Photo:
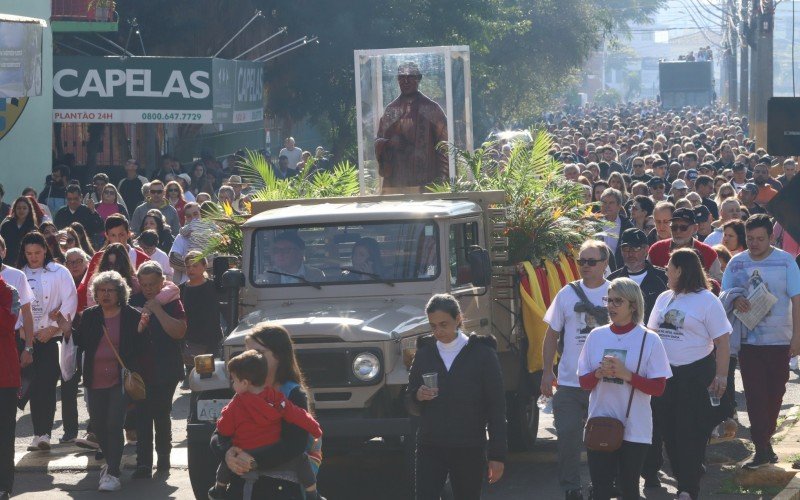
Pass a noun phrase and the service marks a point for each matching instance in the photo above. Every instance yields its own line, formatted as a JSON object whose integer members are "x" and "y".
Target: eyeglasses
{"x": 638, "y": 165}
{"x": 156, "y": 191}
{"x": 588, "y": 262}
{"x": 679, "y": 227}
{"x": 75, "y": 262}
{"x": 616, "y": 301}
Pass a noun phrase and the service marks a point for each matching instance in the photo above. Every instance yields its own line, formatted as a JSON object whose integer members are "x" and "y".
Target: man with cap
{"x": 690, "y": 178}
{"x": 703, "y": 217}
{"x": 767, "y": 186}
{"x": 747, "y": 197}
{"x": 684, "y": 227}
{"x": 411, "y": 128}
{"x": 657, "y": 187}
{"x": 652, "y": 281}
{"x": 235, "y": 181}
{"x": 679, "y": 190}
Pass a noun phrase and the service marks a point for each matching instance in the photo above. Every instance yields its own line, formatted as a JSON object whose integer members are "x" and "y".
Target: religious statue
{"x": 411, "y": 128}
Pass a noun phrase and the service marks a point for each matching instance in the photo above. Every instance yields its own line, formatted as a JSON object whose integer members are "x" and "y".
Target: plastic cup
{"x": 431, "y": 381}
{"x": 713, "y": 398}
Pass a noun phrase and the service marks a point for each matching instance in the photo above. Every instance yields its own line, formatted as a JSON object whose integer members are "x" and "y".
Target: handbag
{"x": 607, "y": 433}
{"x": 132, "y": 382}
{"x": 68, "y": 358}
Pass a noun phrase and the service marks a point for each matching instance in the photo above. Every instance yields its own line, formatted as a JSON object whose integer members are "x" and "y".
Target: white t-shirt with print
{"x": 18, "y": 280}
{"x": 610, "y": 397}
{"x": 561, "y": 317}
{"x": 688, "y": 324}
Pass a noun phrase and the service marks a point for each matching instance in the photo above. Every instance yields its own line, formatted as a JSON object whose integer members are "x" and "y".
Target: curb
{"x": 791, "y": 491}
{"x": 787, "y": 428}
{"x": 70, "y": 459}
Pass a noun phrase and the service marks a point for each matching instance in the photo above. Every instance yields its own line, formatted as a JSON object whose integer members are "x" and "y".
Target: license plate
{"x": 208, "y": 410}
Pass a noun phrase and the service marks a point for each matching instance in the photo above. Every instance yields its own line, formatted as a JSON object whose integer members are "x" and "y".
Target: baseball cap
{"x": 766, "y": 160}
{"x": 702, "y": 213}
{"x": 655, "y": 182}
{"x": 686, "y": 214}
{"x": 679, "y": 184}
{"x": 692, "y": 174}
{"x": 634, "y": 237}
{"x": 186, "y": 178}
{"x": 751, "y": 186}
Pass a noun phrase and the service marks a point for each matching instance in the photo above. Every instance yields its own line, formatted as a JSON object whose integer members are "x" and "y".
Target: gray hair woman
{"x": 620, "y": 363}
{"x": 165, "y": 327}
{"x": 107, "y": 330}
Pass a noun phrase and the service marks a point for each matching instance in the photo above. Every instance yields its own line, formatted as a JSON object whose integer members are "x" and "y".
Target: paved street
{"x": 373, "y": 471}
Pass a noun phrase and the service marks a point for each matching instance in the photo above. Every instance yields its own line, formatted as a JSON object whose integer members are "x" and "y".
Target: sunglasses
{"x": 616, "y": 301}
{"x": 588, "y": 262}
{"x": 679, "y": 227}
{"x": 154, "y": 191}
{"x": 638, "y": 165}
{"x": 173, "y": 190}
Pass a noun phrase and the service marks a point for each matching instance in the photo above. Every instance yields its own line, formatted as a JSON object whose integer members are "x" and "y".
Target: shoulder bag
{"x": 607, "y": 433}
{"x": 132, "y": 382}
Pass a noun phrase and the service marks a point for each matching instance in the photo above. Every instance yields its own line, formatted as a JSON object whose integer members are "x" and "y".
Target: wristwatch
{"x": 29, "y": 349}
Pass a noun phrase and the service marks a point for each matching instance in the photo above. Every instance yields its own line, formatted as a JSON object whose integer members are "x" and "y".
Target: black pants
{"x": 625, "y": 464}
{"x": 654, "y": 458}
{"x": 686, "y": 419}
{"x": 466, "y": 467}
{"x": 8, "y": 425}
{"x": 107, "y": 411}
{"x": 730, "y": 390}
{"x": 69, "y": 405}
{"x": 46, "y": 374}
{"x": 154, "y": 412}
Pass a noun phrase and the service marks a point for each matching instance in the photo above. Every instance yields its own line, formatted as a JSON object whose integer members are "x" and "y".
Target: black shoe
{"x": 759, "y": 460}
{"x": 98, "y": 455}
{"x": 652, "y": 481}
{"x": 68, "y": 437}
{"x": 142, "y": 472}
{"x": 217, "y": 492}
{"x": 574, "y": 495}
{"x": 163, "y": 463}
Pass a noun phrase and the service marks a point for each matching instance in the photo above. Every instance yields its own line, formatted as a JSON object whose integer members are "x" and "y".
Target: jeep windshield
{"x": 336, "y": 253}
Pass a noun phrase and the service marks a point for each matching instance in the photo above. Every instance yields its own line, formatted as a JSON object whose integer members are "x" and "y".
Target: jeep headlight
{"x": 366, "y": 366}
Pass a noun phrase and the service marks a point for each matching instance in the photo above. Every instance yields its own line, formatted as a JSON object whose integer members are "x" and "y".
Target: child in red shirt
{"x": 253, "y": 420}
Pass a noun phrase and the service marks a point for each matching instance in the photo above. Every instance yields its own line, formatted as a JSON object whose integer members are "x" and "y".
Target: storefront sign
{"x": 156, "y": 89}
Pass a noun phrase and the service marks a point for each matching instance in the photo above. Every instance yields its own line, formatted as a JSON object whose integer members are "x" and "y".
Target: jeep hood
{"x": 366, "y": 321}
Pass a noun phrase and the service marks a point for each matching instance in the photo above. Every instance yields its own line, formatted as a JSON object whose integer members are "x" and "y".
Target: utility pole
{"x": 744, "y": 65}
{"x": 733, "y": 84}
{"x": 761, "y": 76}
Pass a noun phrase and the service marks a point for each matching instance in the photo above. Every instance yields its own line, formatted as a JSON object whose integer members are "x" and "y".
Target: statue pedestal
{"x": 446, "y": 80}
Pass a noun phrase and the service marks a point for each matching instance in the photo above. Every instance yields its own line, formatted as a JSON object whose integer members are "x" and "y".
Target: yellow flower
{"x": 227, "y": 208}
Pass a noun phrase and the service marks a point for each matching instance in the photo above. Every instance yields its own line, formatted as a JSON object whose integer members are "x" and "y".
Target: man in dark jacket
{"x": 652, "y": 280}
{"x": 75, "y": 211}
{"x": 454, "y": 416}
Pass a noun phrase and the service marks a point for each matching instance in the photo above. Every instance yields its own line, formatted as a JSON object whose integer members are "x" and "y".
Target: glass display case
{"x": 445, "y": 80}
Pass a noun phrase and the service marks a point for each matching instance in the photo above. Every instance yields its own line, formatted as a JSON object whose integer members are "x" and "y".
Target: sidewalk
{"x": 70, "y": 458}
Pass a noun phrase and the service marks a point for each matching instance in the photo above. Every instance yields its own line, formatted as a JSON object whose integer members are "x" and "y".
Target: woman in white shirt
{"x": 53, "y": 308}
{"x": 695, "y": 331}
{"x": 623, "y": 365}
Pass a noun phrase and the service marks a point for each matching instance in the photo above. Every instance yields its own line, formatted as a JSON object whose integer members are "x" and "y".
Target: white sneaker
{"x": 103, "y": 471}
{"x": 793, "y": 363}
{"x": 34, "y": 446}
{"x": 109, "y": 483}
{"x": 44, "y": 443}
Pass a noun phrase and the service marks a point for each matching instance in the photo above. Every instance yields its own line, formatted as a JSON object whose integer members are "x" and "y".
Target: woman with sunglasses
{"x": 622, "y": 365}
{"x": 110, "y": 203}
{"x": 176, "y": 199}
{"x": 695, "y": 331}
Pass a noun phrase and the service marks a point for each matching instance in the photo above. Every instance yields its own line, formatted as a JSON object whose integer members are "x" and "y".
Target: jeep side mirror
{"x": 232, "y": 282}
{"x": 480, "y": 266}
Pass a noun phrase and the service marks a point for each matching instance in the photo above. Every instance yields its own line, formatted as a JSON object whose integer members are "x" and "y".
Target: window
{"x": 345, "y": 253}
{"x": 463, "y": 235}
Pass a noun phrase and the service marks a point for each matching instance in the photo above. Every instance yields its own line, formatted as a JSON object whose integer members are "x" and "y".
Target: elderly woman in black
{"x": 107, "y": 330}
{"x": 469, "y": 384}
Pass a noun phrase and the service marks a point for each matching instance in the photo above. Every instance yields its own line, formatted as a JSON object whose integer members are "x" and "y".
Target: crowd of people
{"x": 650, "y": 336}
{"x": 690, "y": 240}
